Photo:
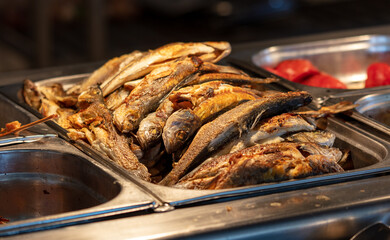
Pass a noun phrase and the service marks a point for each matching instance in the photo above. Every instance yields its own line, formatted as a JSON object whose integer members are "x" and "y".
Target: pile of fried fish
{"x": 174, "y": 117}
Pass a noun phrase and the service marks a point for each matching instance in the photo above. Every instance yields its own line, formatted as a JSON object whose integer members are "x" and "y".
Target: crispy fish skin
{"x": 232, "y": 78}
{"x": 343, "y": 106}
{"x": 261, "y": 164}
{"x": 151, "y": 127}
{"x": 230, "y": 125}
{"x": 31, "y": 94}
{"x": 95, "y": 121}
{"x": 268, "y": 129}
{"x": 107, "y": 71}
{"x": 323, "y": 138}
{"x": 207, "y": 51}
{"x": 178, "y": 128}
{"x": 181, "y": 125}
{"x": 147, "y": 95}
{"x": 209, "y": 67}
{"x": 116, "y": 98}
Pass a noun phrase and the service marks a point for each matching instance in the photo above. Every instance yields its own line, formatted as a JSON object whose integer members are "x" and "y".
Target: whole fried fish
{"x": 31, "y": 94}
{"x": 147, "y": 95}
{"x": 215, "y": 134}
{"x": 107, "y": 71}
{"x": 262, "y": 164}
{"x": 95, "y": 120}
{"x": 206, "y": 51}
{"x": 324, "y": 138}
{"x": 181, "y": 125}
{"x": 233, "y": 78}
{"x": 151, "y": 127}
{"x": 268, "y": 130}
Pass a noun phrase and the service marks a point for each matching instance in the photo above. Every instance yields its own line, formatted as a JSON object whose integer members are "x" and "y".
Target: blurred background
{"x": 45, "y": 33}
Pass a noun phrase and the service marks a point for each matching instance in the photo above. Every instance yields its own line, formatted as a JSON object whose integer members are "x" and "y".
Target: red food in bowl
{"x": 378, "y": 74}
{"x": 296, "y": 70}
{"x": 324, "y": 80}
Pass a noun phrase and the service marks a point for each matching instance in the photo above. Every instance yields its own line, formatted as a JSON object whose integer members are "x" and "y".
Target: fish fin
{"x": 257, "y": 119}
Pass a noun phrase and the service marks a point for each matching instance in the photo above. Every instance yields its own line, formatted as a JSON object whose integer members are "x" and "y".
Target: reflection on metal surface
{"x": 346, "y": 59}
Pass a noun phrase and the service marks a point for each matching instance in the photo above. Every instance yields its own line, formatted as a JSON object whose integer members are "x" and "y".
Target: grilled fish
{"x": 209, "y": 67}
{"x": 148, "y": 94}
{"x": 232, "y": 78}
{"x": 181, "y": 125}
{"x": 207, "y": 51}
{"x": 116, "y": 98}
{"x": 230, "y": 125}
{"x": 95, "y": 120}
{"x": 323, "y": 138}
{"x": 107, "y": 71}
{"x": 151, "y": 127}
{"x": 31, "y": 94}
{"x": 325, "y": 111}
{"x": 262, "y": 164}
{"x": 268, "y": 130}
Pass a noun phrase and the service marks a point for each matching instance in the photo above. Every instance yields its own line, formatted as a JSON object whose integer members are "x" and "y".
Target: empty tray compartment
{"x": 49, "y": 183}
{"x": 346, "y": 59}
{"x": 36, "y": 183}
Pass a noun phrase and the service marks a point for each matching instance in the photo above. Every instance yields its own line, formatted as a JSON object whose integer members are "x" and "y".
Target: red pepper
{"x": 296, "y": 70}
{"x": 378, "y": 74}
{"x": 324, "y": 80}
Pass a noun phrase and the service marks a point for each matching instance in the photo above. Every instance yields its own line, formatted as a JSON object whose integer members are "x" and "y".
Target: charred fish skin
{"x": 148, "y": 94}
{"x": 230, "y": 125}
{"x": 259, "y": 164}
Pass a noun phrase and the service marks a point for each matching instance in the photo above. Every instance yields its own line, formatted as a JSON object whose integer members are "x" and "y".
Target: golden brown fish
{"x": 31, "y": 94}
{"x": 268, "y": 130}
{"x": 230, "y": 125}
{"x": 146, "y": 97}
{"x": 151, "y": 127}
{"x": 106, "y": 72}
{"x": 181, "y": 125}
{"x": 262, "y": 164}
{"x": 232, "y": 78}
{"x": 95, "y": 121}
{"x": 206, "y": 51}
{"x": 323, "y": 138}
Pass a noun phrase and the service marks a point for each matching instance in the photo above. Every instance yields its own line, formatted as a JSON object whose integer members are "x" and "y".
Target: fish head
{"x": 89, "y": 96}
{"x": 179, "y": 128}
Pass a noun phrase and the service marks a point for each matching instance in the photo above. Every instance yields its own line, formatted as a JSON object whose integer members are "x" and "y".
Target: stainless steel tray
{"x": 369, "y": 153}
{"x": 48, "y": 183}
{"x": 344, "y": 58}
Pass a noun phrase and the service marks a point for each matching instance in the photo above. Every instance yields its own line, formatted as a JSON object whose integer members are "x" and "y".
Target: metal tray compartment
{"x": 46, "y": 182}
{"x": 374, "y": 110}
{"x": 345, "y": 58}
{"x": 36, "y": 183}
{"x": 370, "y": 155}
{"x": 49, "y": 184}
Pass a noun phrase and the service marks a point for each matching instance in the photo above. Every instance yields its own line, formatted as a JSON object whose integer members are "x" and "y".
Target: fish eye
{"x": 181, "y": 135}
